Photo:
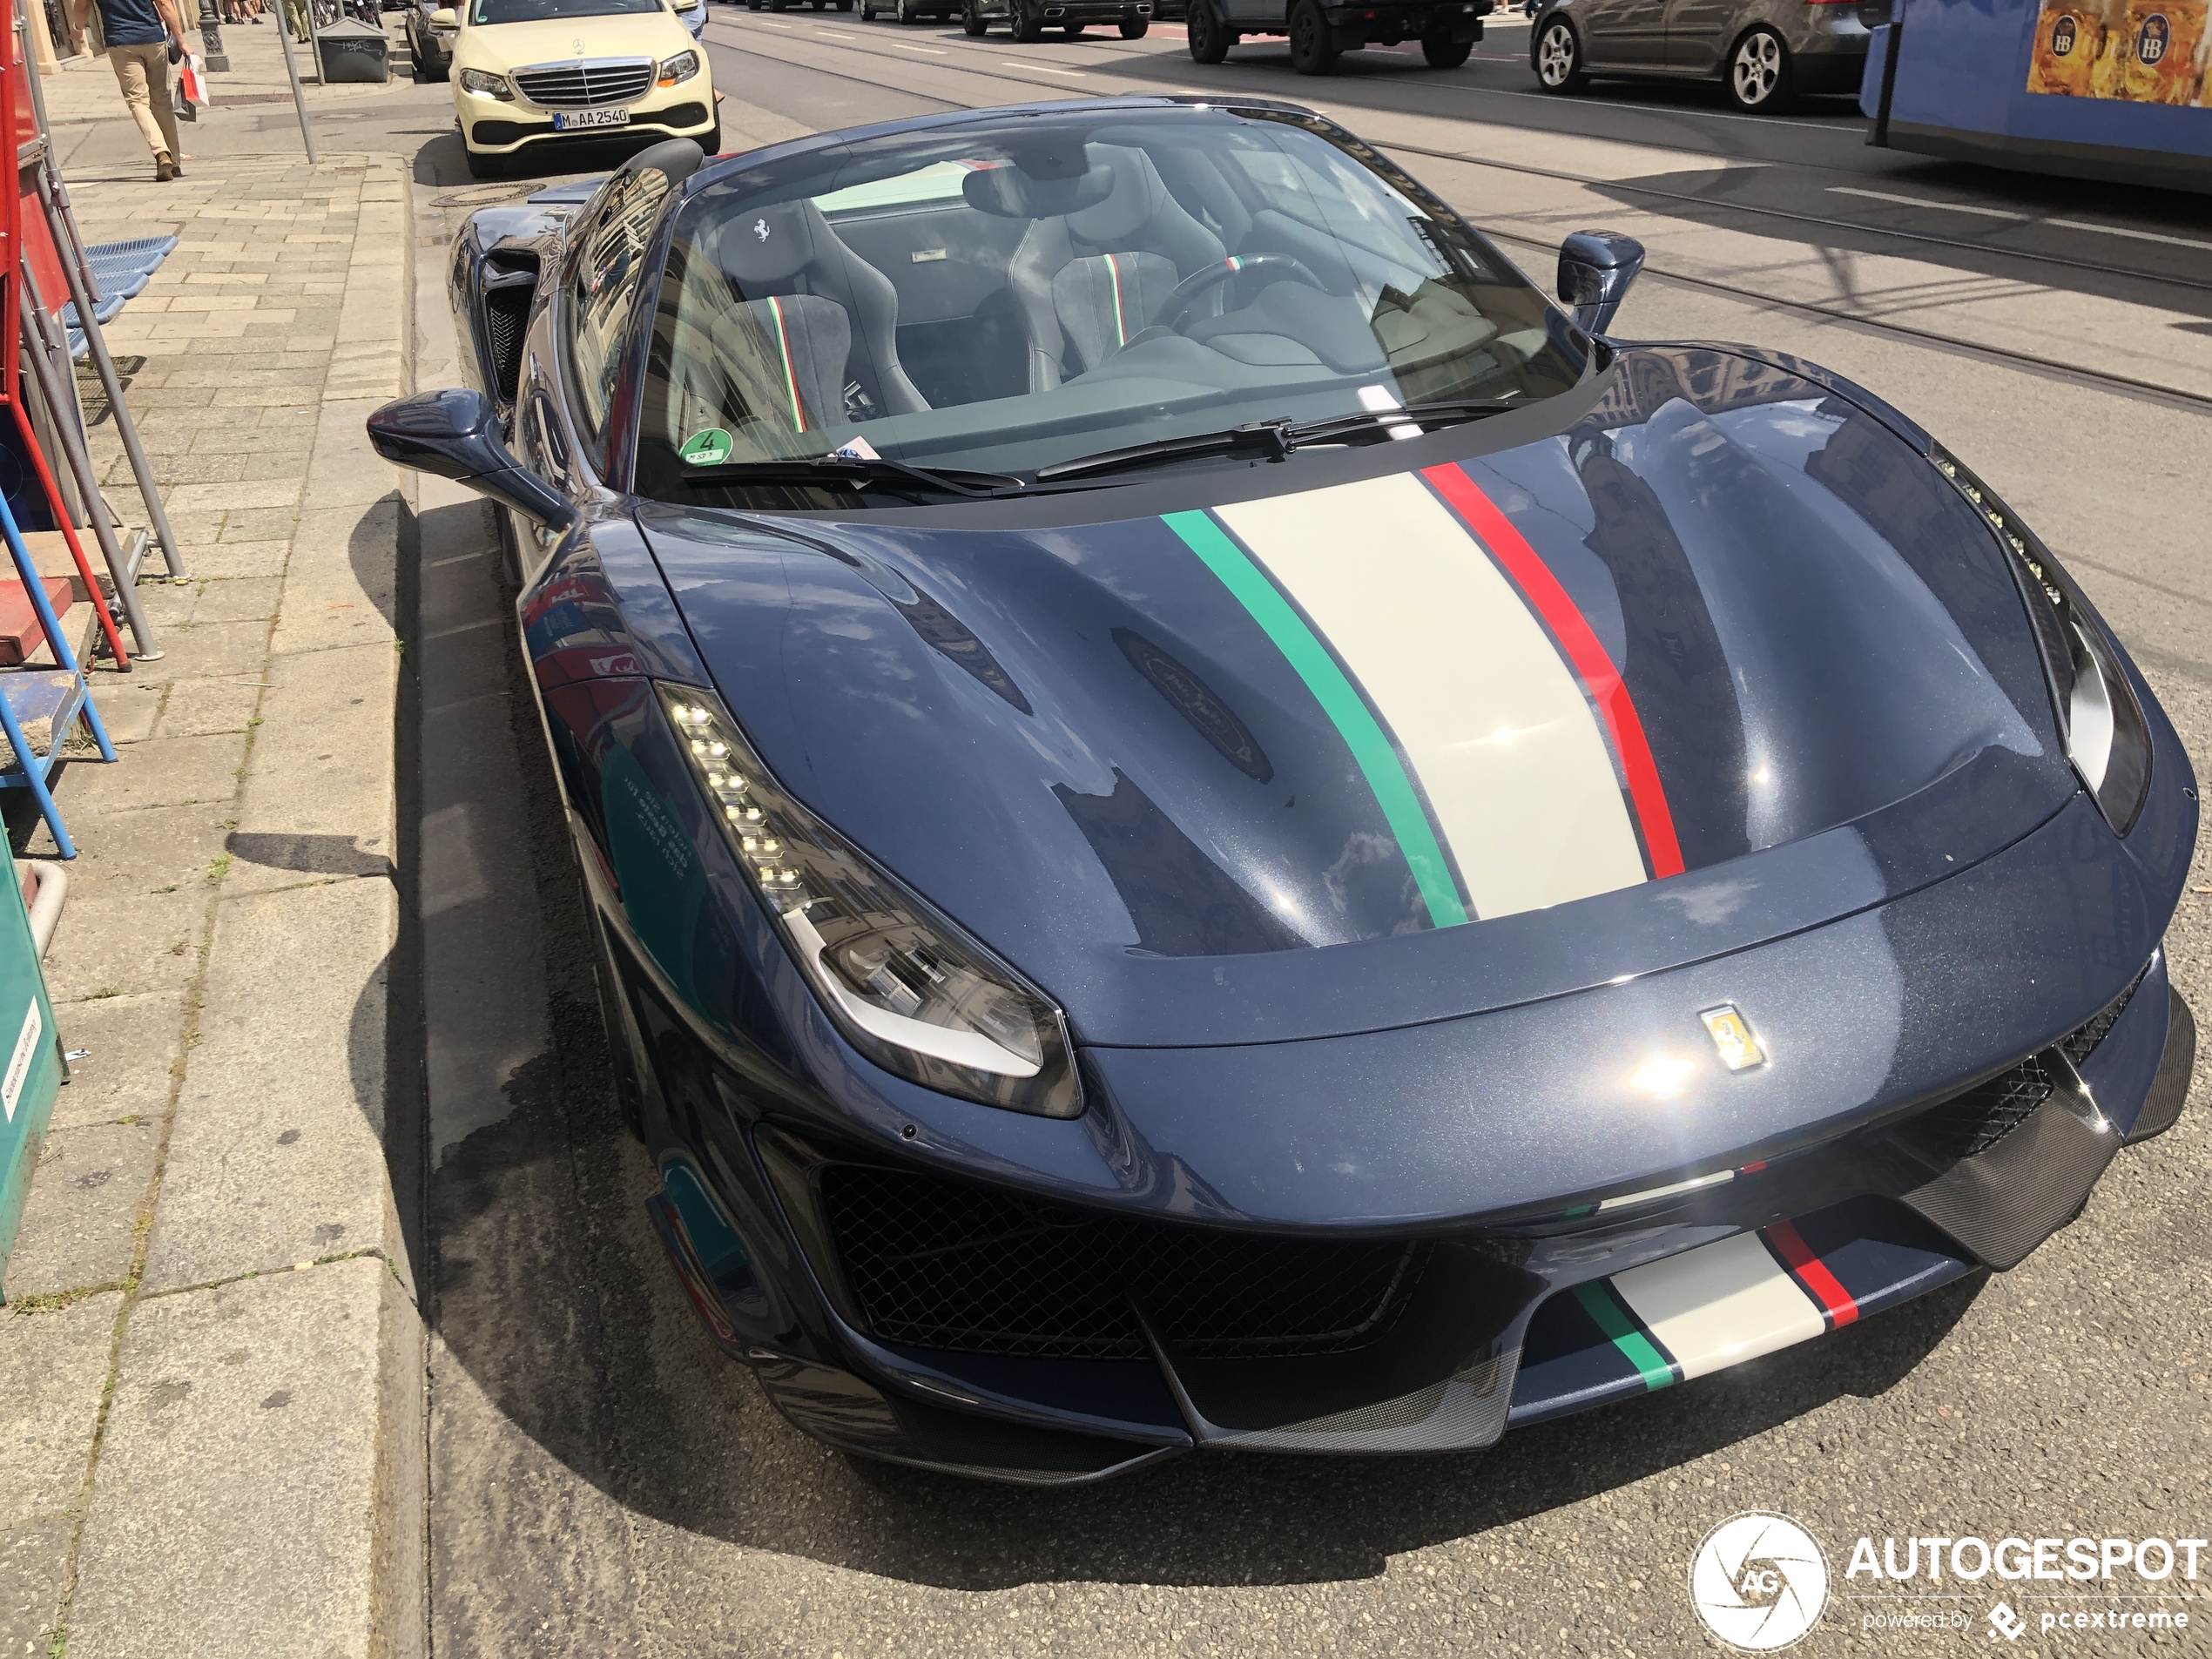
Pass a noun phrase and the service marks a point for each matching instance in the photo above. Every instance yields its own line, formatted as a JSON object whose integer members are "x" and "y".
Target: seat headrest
{"x": 768, "y": 244}
{"x": 1138, "y": 194}
{"x": 1009, "y": 192}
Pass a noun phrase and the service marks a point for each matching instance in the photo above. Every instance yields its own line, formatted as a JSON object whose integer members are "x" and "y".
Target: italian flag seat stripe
{"x": 1493, "y": 725}
{"x": 791, "y": 377}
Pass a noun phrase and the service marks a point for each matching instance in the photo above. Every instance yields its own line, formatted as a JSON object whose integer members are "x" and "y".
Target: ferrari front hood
{"x": 1721, "y": 660}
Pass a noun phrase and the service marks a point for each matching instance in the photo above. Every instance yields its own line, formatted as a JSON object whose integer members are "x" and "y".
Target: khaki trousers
{"x": 143, "y": 73}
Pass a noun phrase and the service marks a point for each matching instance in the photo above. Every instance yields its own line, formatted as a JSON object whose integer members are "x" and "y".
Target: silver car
{"x": 1765, "y": 51}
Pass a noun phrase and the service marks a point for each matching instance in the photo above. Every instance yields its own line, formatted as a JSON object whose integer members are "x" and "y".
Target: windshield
{"x": 1028, "y": 289}
{"x": 552, "y": 10}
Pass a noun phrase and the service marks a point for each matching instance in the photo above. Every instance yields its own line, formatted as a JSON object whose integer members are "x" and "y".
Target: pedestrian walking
{"x": 137, "y": 34}
{"x": 296, "y": 18}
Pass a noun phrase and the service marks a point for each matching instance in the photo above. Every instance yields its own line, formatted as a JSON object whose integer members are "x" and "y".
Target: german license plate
{"x": 570, "y": 120}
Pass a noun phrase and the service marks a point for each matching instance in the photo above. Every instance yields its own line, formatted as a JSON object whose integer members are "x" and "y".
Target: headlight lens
{"x": 476, "y": 80}
{"x": 2107, "y": 737}
{"x": 679, "y": 67}
{"x": 905, "y": 987}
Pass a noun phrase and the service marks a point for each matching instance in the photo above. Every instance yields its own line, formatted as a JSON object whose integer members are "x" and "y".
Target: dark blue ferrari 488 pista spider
{"x": 1207, "y": 822}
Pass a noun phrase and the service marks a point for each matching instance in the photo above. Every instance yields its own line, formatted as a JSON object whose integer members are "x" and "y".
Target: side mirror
{"x": 443, "y": 18}
{"x": 454, "y": 434}
{"x": 1595, "y": 270}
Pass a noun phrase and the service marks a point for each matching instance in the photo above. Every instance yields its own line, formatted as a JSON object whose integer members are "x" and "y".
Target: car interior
{"x": 1008, "y": 298}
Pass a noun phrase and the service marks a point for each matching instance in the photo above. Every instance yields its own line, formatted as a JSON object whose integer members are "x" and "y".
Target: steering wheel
{"x": 1187, "y": 292}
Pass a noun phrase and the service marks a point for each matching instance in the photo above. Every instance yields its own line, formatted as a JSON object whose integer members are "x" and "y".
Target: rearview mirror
{"x": 443, "y": 18}
{"x": 454, "y": 434}
{"x": 1595, "y": 270}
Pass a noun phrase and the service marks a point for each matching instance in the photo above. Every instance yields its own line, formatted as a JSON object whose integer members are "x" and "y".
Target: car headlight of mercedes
{"x": 2107, "y": 737}
{"x": 902, "y": 984}
{"x": 491, "y": 85}
{"x": 679, "y": 69}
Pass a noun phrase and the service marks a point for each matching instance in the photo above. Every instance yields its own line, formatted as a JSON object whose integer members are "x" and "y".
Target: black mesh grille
{"x": 506, "y": 315}
{"x": 942, "y": 1265}
{"x": 1985, "y": 1115}
{"x": 2079, "y": 1045}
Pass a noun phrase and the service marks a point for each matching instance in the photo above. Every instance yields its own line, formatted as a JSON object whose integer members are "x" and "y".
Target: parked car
{"x": 530, "y": 75}
{"x": 1209, "y": 826}
{"x": 1765, "y": 53}
{"x": 1030, "y": 18}
{"x": 1320, "y": 33}
{"x": 819, "y": 6}
{"x": 430, "y": 26}
{"x": 909, "y": 10}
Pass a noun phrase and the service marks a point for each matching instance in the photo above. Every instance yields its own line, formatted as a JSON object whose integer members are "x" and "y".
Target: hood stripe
{"x": 1495, "y": 726}
{"x": 1583, "y": 650}
{"x": 1373, "y": 751}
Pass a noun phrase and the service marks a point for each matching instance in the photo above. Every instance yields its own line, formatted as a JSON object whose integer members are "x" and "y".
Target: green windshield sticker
{"x": 708, "y": 448}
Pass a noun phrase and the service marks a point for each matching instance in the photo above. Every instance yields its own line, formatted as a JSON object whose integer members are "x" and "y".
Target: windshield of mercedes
{"x": 1027, "y": 292}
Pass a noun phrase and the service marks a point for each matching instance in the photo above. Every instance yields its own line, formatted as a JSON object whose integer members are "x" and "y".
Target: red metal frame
{"x": 26, "y": 239}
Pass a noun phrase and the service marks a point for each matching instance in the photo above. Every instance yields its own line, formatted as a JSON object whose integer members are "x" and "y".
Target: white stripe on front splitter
{"x": 1720, "y": 1304}
{"x": 1494, "y": 723}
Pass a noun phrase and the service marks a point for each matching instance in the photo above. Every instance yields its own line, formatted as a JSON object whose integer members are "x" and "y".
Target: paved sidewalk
{"x": 210, "y": 1361}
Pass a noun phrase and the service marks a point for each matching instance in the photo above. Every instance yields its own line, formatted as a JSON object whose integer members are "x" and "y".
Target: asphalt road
{"x": 605, "y": 1483}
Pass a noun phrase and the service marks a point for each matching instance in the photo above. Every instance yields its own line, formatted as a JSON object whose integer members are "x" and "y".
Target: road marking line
{"x": 1703, "y": 115}
{"x": 934, "y": 51}
{"x": 2022, "y": 219}
{"x": 1024, "y": 63}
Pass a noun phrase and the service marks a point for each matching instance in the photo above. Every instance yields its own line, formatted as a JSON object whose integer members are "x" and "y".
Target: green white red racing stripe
{"x": 1498, "y": 737}
{"x": 1718, "y": 1306}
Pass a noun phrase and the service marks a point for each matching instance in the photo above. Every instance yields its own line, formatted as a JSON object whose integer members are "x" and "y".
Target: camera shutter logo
{"x": 1759, "y": 1581}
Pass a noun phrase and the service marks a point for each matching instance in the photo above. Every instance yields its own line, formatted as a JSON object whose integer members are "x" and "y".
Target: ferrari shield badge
{"x": 1731, "y": 1035}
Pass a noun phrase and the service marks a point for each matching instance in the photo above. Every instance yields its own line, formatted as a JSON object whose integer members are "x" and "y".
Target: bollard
{"x": 211, "y": 38}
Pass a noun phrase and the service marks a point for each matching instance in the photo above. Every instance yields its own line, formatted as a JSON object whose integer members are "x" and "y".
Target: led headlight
{"x": 476, "y": 80}
{"x": 679, "y": 67}
{"x": 2107, "y": 737}
{"x": 903, "y": 984}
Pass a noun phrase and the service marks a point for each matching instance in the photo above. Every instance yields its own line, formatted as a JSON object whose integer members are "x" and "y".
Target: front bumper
{"x": 1387, "y": 25}
{"x": 1096, "y": 11}
{"x": 1493, "y": 1329}
{"x": 496, "y": 128}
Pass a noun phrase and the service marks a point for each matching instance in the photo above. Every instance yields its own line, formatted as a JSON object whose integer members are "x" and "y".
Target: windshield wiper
{"x": 854, "y": 471}
{"x": 1275, "y": 440}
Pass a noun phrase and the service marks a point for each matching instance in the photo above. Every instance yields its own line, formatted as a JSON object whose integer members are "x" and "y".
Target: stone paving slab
{"x": 239, "y": 1491}
{"x": 53, "y": 1371}
{"x": 278, "y": 1139}
{"x": 132, "y": 1046}
{"x": 81, "y": 1224}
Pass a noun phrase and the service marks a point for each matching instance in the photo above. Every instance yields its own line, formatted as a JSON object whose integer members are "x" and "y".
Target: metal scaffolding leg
{"x": 96, "y": 341}
{"x": 88, "y": 486}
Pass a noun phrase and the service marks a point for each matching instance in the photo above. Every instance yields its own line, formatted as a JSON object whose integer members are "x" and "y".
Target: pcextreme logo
{"x": 1759, "y": 1581}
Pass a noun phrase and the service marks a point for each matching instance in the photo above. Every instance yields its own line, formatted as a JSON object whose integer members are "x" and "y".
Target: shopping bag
{"x": 179, "y": 103}
{"x": 193, "y": 76}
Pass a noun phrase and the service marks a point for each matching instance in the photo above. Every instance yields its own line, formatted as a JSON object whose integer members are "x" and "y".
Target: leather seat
{"x": 1097, "y": 277}
{"x": 791, "y": 250}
